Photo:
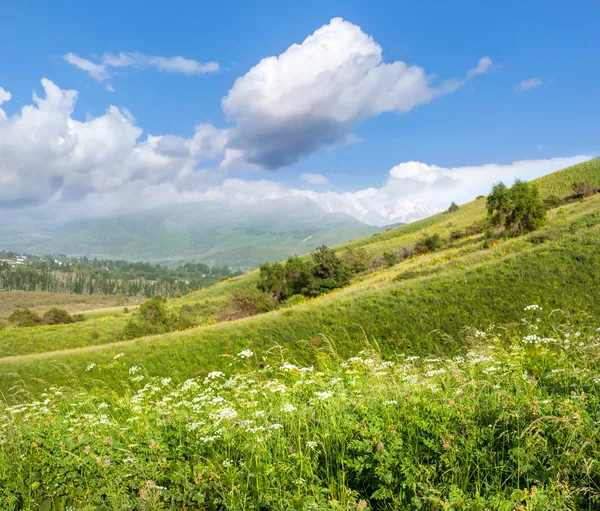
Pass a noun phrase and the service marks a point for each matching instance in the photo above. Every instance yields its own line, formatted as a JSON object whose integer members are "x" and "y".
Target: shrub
{"x": 582, "y": 189}
{"x": 429, "y": 244}
{"x": 453, "y": 208}
{"x": 294, "y": 300}
{"x": 457, "y": 235}
{"x": 24, "y": 317}
{"x": 55, "y": 316}
{"x": 390, "y": 258}
{"x": 553, "y": 201}
{"x": 407, "y": 252}
{"x": 356, "y": 259}
{"x": 152, "y": 318}
{"x": 248, "y": 301}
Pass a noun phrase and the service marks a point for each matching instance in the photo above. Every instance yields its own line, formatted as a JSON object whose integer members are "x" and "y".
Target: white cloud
{"x": 109, "y": 88}
{"x": 103, "y": 69}
{"x": 314, "y": 179}
{"x": 47, "y": 156}
{"x": 526, "y": 85}
{"x": 4, "y": 98}
{"x": 312, "y": 95}
{"x": 96, "y": 71}
{"x": 56, "y": 167}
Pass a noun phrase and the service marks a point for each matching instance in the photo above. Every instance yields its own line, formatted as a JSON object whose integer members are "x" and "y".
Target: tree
{"x": 298, "y": 274}
{"x": 272, "y": 280}
{"x": 328, "y": 272}
{"x": 453, "y": 208}
{"x": 528, "y": 209}
{"x": 390, "y": 258}
{"x": 519, "y": 208}
{"x": 498, "y": 204}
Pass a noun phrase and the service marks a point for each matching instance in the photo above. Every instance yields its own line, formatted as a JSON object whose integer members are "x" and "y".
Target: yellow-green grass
{"x": 41, "y": 301}
{"x": 39, "y": 339}
{"x": 420, "y": 315}
{"x": 464, "y": 254}
{"x": 511, "y": 425}
{"x": 437, "y": 291}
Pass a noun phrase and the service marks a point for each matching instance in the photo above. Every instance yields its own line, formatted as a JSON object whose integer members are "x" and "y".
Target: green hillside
{"x": 420, "y": 305}
{"x": 238, "y": 235}
{"x": 465, "y": 377}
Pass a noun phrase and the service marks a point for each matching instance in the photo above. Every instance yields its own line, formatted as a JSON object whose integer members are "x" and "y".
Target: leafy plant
{"x": 519, "y": 208}
{"x": 24, "y": 317}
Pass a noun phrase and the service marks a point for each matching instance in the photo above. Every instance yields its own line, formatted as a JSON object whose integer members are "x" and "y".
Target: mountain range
{"x": 238, "y": 235}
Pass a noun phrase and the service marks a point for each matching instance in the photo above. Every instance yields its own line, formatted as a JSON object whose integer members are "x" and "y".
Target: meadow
{"x": 466, "y": 377}
{"x": 41, "y": 301}
{"x": 509, "y": 423}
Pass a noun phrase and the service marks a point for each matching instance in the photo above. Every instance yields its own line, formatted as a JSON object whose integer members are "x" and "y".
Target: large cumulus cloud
{"x": 313, "y": 94}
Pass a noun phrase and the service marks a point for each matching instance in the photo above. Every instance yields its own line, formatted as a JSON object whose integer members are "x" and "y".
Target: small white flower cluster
{"x": 323, "y": 395}
{"x": 435, "y": 372}
{"x": 289, "y": 408}
{"x": 214, "y": 375}
{"x": 533, "y": 307}
{"x": 311, "y": 444}
{"x": 134, "y": 370}
{"x": 118, "y": 356}
{"x": 90, "y": 366}
{"x": 288, "y": 367}
{"x": 245, "y": 354}
{"x": 227, "y": 414}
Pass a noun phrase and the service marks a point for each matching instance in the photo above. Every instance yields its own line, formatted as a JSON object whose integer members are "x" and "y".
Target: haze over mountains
{"x": 239, "y": 235}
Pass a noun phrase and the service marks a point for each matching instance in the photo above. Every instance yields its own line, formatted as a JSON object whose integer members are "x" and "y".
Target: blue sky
{"x": 486, "y": 120}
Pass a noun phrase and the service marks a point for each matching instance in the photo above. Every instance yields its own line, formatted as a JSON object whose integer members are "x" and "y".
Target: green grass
{"x": 511, "y": 424}
{"x": 420, "y": 315}
{"x": 466, "y": 283}
{"x": 40, "y": 339}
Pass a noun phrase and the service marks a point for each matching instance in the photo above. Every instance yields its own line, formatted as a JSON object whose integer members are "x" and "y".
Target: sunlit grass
{"x": 510, "y": 422}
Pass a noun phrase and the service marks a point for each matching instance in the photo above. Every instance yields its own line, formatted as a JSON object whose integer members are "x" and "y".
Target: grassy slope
{"x": 41, "y": 301}
{"x": 458, "y": 286}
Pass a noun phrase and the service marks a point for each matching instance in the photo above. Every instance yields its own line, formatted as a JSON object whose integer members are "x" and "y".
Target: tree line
{"x": 107, "y": 277}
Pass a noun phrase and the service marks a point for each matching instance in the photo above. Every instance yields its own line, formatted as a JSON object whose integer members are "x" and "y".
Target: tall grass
{"x": 511, "y": 423}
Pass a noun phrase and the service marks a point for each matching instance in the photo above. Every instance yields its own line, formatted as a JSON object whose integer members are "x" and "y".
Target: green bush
{"x": 248, "y": 301}
{"x": 152, "y": 318}
{"x": 310, "y": 277}
{"x": 356, "y": 259}
{"x": 56, "y": 316}
{"x": 390, "y": 258}
{"x": 429, "y": 244}
{"x": 294, "y": 300}
{"x": 24, "y": 317}
{"x": 453, "y": 208}
{"x": 519, "y": 208}
{"x": 553, "y": 201}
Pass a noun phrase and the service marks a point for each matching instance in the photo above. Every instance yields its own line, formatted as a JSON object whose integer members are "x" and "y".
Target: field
{"x": 41, "y": 301}
{"x": 482, "y": 355}
{"x": 364, "y": 433}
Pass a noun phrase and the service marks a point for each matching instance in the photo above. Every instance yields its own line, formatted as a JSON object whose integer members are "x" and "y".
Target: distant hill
{"x": 241, "y": 236}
